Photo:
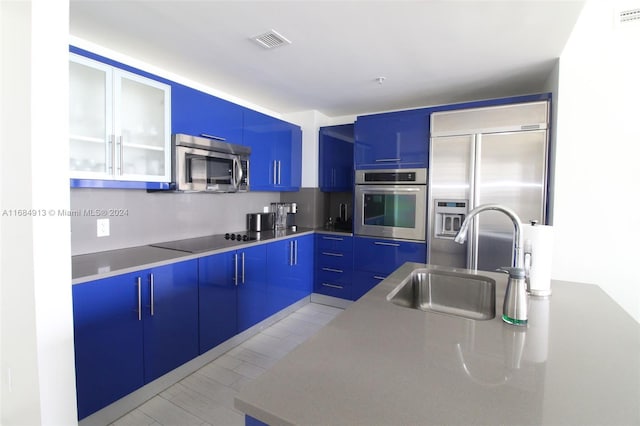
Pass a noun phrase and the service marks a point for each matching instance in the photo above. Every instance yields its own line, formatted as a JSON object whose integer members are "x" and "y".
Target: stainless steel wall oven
{"x": 391, "y": 203}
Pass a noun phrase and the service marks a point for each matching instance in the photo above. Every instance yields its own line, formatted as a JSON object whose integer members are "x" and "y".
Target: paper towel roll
{"x": 538, "y": 249}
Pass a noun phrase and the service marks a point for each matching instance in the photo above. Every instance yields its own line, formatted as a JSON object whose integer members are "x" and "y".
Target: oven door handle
{"x": 382, "y": 188}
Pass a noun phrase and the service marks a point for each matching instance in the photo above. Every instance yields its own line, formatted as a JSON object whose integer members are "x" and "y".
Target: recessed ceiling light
{"x": 271, "y": 39}
{"x": 380, "y": 80}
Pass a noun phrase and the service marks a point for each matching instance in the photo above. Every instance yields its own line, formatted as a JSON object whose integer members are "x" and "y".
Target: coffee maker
{"x": 285, "y": 214}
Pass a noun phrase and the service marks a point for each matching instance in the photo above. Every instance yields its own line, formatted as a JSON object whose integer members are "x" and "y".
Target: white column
{"x": 37, "y": 370}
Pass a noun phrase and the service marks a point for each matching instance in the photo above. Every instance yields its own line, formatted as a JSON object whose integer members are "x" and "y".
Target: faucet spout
{"x": 514, "y": 308}
{"x": 518, "y": 244}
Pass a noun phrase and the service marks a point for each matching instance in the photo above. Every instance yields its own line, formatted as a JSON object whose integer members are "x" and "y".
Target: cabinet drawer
{"x": 334, "y": 276}
{"x": 332, "y": 289}
{"x": 385, "y": 256}
{"x": 334, "y": 259}
{"x": 334, "y": 243}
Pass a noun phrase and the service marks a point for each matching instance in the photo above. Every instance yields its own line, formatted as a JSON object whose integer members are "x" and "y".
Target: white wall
{"x": 597, "y": 170}
{"x": 37, "y": 370}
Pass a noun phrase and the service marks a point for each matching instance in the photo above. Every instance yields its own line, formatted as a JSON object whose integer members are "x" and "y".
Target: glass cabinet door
{"x": 142, "y": 120}
{"x": 119, "y": 124}
{"x": 89, "y": 118}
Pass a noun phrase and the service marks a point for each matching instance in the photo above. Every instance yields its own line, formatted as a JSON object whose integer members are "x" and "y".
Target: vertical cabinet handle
{"x": 112, "y": 164}
{"x": 151, "y": 285}
{"x": 275, "y": 172}
{"x": 235, "y": 261}
{"x": 291, "y": 253}
{"x": 121, "y": 155}
{"x": 295, "y": 252}
{"x": 279, "y": 170}
{"x": 139, "y": 283}
{"x": 242, "y": 267}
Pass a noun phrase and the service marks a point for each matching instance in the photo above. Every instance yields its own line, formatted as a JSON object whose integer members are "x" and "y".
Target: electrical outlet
{"x": 103, "y": 227}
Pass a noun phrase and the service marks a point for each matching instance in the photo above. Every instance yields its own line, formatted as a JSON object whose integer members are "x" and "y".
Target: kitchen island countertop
{"x": 577, "y": 362}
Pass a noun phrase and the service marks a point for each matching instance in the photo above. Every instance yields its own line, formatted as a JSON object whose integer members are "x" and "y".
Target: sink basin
{"x": 454, "y": 293}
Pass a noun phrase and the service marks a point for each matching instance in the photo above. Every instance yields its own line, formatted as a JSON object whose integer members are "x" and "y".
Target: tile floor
{"x": 206, "y": 396}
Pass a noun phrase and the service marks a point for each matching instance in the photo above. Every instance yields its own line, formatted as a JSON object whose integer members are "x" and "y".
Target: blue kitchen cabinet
{"x": 378, "y": 257}
{"x": 233, "y": 291}
{"x": 218, "y": 299}
{"x": 131, "y": 329}
{"x": 171, "y": 318}
{"x": 290, "y": 272}
{"x": 197, "y": 113}
{"x": 251, "y": 280}
{"x": 336, "y": 158}
{"x": 108, "y": 341}
{"x": 334, "y": 265}
{"x": 394, "y": 140}
{"x": 276, "y": 152}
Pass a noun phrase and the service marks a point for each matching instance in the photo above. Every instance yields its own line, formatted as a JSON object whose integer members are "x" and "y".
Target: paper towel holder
{"x": 528, "y": 261}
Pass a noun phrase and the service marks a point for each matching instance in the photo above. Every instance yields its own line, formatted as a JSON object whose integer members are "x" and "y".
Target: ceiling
{"x": 429, "y": 52}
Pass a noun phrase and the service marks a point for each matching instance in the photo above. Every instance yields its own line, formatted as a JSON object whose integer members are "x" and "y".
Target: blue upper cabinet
{"x": 393, "y": 140}
{"x": 276, "y": 152}
{"x": 197, "y": 113}
{"x": 336, "y": 158}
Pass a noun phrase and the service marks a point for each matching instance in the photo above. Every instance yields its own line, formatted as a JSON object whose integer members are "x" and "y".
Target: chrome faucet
{"x": 514, "y": 309}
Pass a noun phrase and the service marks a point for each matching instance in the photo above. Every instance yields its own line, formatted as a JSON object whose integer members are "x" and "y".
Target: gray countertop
{"x": 577, "y": 362}
{"x": 92, "y": 266}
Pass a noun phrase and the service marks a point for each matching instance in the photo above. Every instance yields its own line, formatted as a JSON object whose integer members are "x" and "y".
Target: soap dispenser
{"x": 514, "y": 309}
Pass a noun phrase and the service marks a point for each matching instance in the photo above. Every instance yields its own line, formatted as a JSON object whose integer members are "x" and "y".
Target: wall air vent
{"x": 271, "y": 39}
{"x": 631, "y": 15}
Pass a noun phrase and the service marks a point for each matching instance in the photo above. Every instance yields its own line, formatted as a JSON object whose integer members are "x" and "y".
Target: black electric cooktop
{"x": 211, "y": 242}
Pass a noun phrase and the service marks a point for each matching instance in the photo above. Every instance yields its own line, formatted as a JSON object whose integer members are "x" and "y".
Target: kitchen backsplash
{"x": 140, "y": 218}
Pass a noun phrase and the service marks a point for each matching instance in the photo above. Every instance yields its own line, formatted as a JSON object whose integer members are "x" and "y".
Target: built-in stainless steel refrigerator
{"x": 480, "y": 156}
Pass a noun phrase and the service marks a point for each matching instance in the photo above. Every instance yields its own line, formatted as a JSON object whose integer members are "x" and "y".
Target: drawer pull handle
{"x": 380, "y": 243}
{"x": 325, "y": 253}
{"x": 333, "y": 270}
{"x": 386, "y": 160}
{"x": 378, "y": 277}
{"x": 333, "y": 238}
{"x": 332, "y": 285}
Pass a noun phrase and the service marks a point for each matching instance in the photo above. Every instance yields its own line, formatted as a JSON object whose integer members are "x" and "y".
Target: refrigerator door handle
{"x": 474, "y": 173}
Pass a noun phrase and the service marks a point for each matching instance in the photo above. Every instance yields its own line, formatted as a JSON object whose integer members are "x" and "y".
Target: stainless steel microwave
{"x": 391, "y": 203}
{"x": 207, "y": 164}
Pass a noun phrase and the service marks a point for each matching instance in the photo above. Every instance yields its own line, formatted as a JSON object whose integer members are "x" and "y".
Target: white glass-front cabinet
{"x": 120, "y": 124}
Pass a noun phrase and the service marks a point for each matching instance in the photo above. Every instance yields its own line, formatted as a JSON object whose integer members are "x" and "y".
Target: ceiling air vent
{"x": 631, "y": 15}
{"x": 271, "y": 39}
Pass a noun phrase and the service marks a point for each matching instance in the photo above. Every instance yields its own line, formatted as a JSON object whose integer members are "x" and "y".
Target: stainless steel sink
{"x": 454, "y": 293}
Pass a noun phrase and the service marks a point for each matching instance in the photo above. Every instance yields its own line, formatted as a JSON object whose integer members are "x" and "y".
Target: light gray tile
{"x": 166, "y": 413}
{"x": 256, "y": 358}
{"x": 211, "y": 411}
{"x": 249, "y": 370}
{"x": 227, "y": 361}
{"x": 219, "y": 374}
{"x": 134, "y": 418}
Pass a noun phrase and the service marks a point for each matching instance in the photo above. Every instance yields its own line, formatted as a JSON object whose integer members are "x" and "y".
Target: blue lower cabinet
{"x": 384, "y": 255}
{"x": 218, "y": 299}
{"x": 363, "y": 281}
{"x": 252, "y": 421}
{"x": 290, "y": 275}
{"x": 171, "y": 320}
{"x": 108, "y": 339}
{"x": 334, "y": 265}
{"x": 132, "y": 328}
{"x": 251, "y": 285}
{"x": 379, "y": 257}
